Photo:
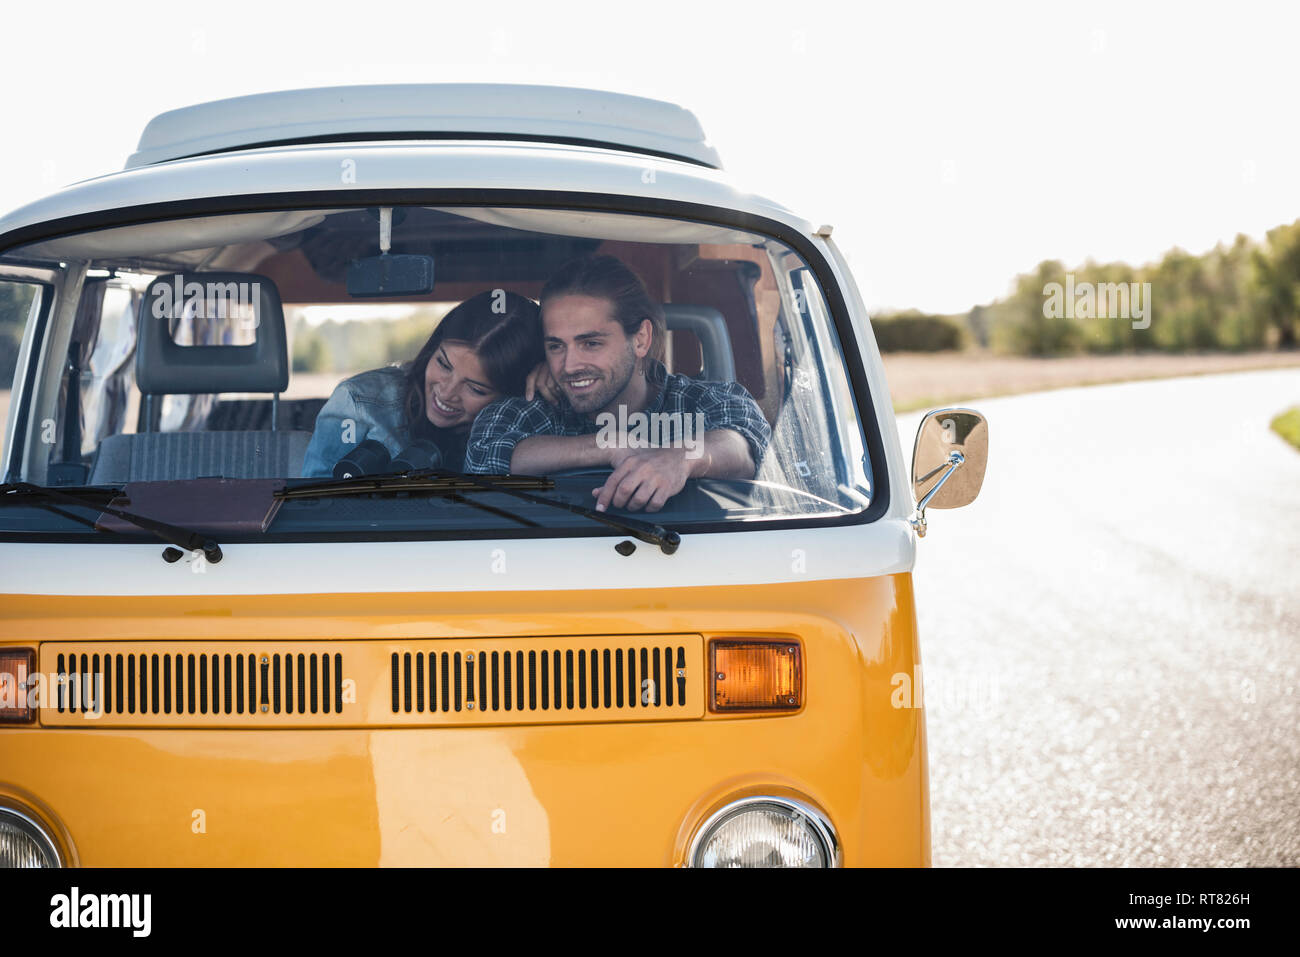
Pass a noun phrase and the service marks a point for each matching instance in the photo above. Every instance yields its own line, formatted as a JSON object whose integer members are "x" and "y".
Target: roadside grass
{"x": 1287, "y": 425}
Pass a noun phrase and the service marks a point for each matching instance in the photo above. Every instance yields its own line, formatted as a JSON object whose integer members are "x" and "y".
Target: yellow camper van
{"x": 288, "y": 576}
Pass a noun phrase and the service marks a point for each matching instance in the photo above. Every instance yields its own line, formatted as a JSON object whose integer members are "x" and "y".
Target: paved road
{"x": 1111, "y": 633}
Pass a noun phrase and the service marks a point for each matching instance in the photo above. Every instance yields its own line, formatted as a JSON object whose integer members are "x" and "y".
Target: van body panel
{"x": 496, "y": 565}
{"x": 901, "y": 503}
{"x": 561, "y": 794}
{"x": 364, "y": 166}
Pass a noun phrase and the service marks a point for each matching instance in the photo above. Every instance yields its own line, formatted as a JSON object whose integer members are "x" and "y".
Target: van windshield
{"x": 644, "y": 365}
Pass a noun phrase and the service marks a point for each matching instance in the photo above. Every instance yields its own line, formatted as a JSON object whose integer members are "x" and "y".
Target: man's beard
{"x": 605, "y": 390}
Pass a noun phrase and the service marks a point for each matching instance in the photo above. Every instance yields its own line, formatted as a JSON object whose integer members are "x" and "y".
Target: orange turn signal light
{"x": 755, "y": 674}
{"x": 17, "y": 668}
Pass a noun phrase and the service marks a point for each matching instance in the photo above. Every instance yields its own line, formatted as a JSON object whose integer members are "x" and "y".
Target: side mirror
{"x": 948, "y": 461}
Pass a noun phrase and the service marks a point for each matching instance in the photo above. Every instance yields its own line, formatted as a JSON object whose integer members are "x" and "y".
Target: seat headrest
{"x": 718, "y": 363}
{"x": 220, "y": 312}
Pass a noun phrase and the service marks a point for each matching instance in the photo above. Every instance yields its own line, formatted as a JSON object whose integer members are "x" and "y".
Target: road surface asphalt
{"x": 1110, "y": 634}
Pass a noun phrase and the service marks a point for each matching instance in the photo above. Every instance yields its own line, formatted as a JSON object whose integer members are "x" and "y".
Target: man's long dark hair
{"x": 505, "y": 331}
{"x": 604, "y": 277}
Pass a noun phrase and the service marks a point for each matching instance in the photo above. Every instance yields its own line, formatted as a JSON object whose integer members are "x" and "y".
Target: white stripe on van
{"x": 754, "y": 557}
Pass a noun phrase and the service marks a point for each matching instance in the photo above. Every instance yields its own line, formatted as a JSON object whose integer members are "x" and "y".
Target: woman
{"x": 482, "y": 351}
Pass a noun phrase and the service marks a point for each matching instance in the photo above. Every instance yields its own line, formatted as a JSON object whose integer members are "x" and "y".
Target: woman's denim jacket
{"x": 366, "y": 406}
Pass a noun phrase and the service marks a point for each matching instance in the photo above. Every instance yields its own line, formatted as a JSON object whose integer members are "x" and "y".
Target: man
{"x": 616, "y": 405}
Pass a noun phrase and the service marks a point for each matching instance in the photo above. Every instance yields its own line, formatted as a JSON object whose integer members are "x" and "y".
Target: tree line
{"x": 350, "y": 346}
{"x": 1236, "y": 297}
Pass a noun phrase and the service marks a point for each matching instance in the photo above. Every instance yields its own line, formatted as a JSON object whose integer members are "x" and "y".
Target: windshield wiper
{"x": 453, "y": 484}
{"x": 412, "y": 480}
{"x": 183, "y": 539}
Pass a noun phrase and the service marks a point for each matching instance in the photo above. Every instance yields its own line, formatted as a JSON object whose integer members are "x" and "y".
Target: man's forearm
{"x": 726, "y": 455}
{"x": 542, "y": 454}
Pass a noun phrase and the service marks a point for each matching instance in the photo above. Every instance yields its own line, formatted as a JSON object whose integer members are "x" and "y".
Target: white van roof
{"x": 433, "y": 110}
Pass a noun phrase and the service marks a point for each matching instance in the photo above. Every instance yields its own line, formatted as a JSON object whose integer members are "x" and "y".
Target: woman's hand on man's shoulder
{"x": 540, "y": 384}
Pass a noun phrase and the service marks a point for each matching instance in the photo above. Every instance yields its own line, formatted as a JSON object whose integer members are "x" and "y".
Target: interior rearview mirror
{"x": 948, "y": 460}
{"x": 405, "y": 274}
{"x": 389, "y": 275}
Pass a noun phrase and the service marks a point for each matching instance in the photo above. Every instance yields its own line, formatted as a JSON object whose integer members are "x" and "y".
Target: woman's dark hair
{"x": 604, "y": 277}
{"x": 505, "y": 331}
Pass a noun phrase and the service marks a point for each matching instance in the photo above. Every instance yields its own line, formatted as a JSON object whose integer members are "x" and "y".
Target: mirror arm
{"x": 917, "y": 520}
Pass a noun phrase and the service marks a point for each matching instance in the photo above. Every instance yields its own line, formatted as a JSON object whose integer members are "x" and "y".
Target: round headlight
{"x": 23, "y": 842}
{"x": 765, "y": 832}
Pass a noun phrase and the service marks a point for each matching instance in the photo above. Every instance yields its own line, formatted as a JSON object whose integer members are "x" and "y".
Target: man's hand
{"x": 647, "y": 478}
{"x": 540, "y": 383}
{"x": 644, "y": 479}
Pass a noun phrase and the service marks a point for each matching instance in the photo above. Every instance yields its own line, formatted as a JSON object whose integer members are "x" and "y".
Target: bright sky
{"x": 951, "y": 145}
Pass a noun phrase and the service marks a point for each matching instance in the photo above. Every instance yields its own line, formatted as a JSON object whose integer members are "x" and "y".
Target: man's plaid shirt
{"x": 503, "y": 425}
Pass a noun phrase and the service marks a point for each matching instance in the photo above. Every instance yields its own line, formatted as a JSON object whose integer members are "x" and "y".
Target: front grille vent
{"x": 539, "y": 680}
{"x": 203, "y": 684}
{"x": 370, "y": 683}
